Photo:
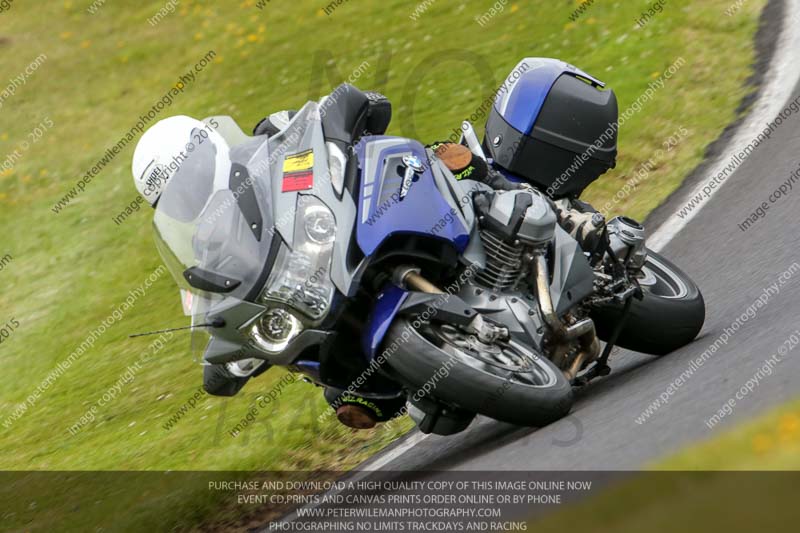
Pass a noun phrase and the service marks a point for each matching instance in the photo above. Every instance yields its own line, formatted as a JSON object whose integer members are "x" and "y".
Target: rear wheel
{"x": 503, "y": 380}
{"x": 670, "y": 315}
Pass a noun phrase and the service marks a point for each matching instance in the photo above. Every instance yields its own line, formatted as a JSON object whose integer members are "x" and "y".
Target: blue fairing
{"x": 527, "y": 88}
{"x": 388, "y": 303}
{"x": 381, "y": 211}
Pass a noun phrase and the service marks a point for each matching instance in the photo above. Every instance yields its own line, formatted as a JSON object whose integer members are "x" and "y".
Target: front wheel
{"x": 670, "y": 315}
{"x": 503, "y": 380}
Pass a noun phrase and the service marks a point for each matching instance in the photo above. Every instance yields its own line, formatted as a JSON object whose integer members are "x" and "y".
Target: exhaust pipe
{"x": 583, "y": 330}
{"x": 589, "y": 351}
{"x": 560, "y": 329}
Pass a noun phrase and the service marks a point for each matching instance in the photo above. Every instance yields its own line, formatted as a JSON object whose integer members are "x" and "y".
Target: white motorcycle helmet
{"x": 164, "y": 147}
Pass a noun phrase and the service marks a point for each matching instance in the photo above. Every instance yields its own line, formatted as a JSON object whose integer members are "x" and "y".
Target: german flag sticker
{"x": 298, "y": 172}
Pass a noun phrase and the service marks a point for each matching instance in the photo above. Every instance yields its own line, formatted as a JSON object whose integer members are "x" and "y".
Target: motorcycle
{"x": 360, "y": 262}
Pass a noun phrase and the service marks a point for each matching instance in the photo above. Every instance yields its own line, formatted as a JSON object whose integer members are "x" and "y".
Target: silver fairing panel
{"x": 344, "y": 208}
{"x": 573, "y": 277}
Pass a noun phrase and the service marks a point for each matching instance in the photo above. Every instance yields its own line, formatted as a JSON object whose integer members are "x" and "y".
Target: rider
{"x": 162, "y": 154}
{"x": 165, "y": 148}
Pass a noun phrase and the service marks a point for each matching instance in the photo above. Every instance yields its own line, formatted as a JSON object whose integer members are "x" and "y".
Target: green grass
{"x": 71, "y": 270}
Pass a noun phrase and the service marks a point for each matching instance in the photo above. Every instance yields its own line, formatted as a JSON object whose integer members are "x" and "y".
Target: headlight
{"x": 320, "y": 225}
{"x": 275, "y": 329}
{"x": 301, "y": 277}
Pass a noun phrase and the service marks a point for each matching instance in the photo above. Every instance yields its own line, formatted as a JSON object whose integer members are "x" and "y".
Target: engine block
{"x": 503, "y": 263}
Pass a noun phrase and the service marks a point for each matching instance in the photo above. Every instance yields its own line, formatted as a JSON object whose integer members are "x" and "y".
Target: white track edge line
{"x": 781, "y": 78}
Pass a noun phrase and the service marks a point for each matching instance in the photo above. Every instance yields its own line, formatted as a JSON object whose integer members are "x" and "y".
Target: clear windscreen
{"x": 213, "y": 217}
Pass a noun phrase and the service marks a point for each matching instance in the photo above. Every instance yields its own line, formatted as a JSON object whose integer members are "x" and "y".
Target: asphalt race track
{"x": 733, "y": 268}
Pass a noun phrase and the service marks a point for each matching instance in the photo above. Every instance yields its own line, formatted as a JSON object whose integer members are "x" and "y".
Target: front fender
{"x": 394, "y": 301}
{"x": 389, "y": 301}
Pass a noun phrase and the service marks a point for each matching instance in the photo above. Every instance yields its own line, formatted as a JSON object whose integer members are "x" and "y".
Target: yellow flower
{"x": 198, "y": 36}
{"x": 789, "y": 424}
{"x": 514, "y": 8}
{"x": 65, "y": 34}
{"x": 252, "y": 38}
{"x": 762, "y": 444}
{"x": 86, "y": 44}
{"x": 4, "y": 137}
{"x": 26, "y": 179}
{"x": 569, "y": 25}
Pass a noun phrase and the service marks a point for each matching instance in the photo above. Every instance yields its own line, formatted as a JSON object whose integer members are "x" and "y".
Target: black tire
{"x": 469, "y": 386}
{"x": 670, "y": 316}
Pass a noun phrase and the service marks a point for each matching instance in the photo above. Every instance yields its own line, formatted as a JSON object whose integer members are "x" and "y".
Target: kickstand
{"x": 601, "y": 368}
